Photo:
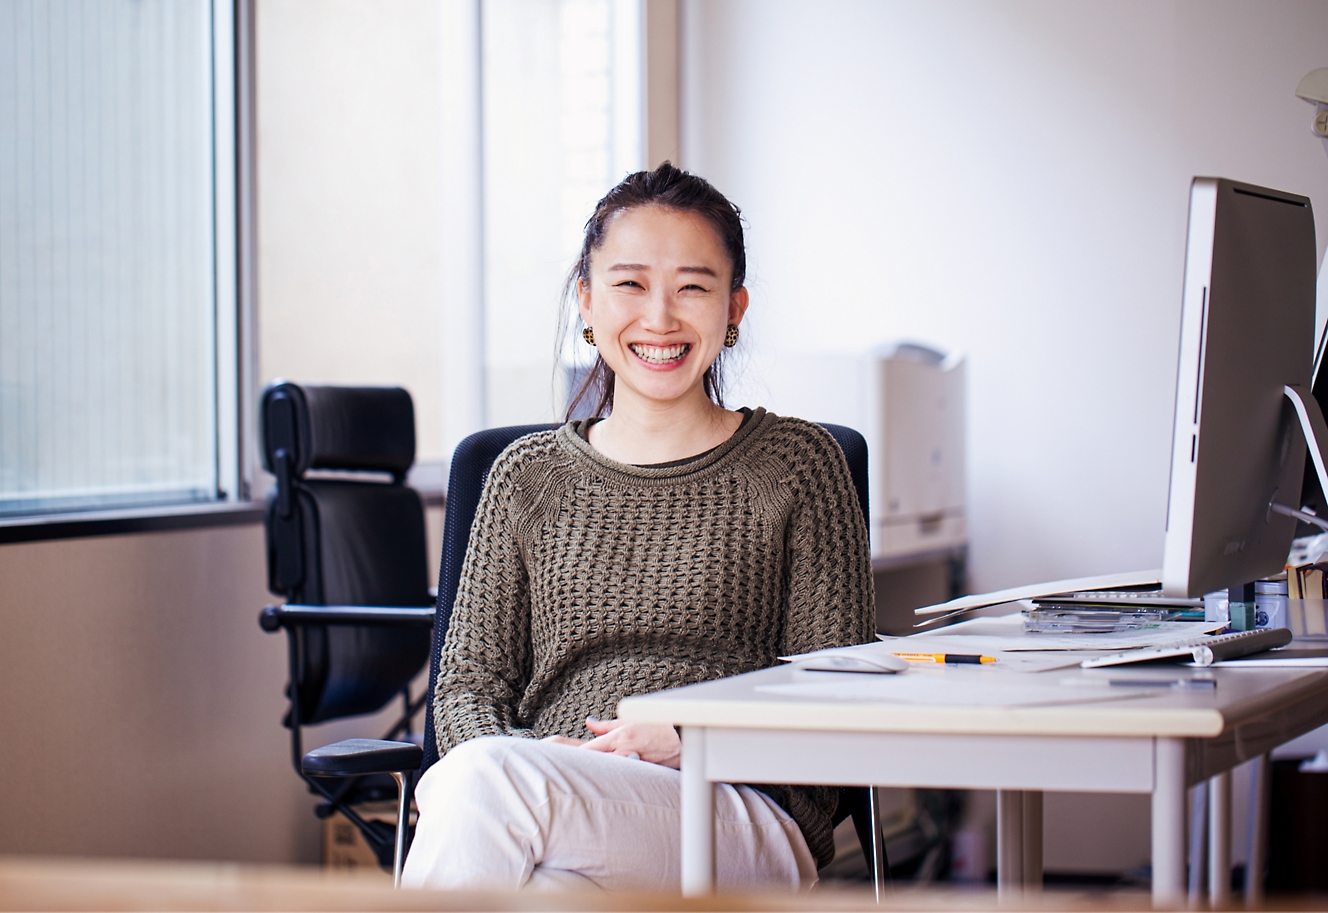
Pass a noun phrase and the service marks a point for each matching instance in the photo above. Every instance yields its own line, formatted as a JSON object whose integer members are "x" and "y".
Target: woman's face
{"x": 659, "y": 301}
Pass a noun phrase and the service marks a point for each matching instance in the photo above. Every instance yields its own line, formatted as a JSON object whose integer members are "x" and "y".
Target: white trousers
{"x": 515, "y": 813}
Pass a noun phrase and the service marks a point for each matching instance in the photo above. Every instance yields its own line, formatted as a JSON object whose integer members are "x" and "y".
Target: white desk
{"x": 1159, "y": 744}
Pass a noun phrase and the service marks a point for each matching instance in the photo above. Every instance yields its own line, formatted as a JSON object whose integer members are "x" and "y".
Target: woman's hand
{"x": 657, "y": 743}
{"x": 564, "y": 740}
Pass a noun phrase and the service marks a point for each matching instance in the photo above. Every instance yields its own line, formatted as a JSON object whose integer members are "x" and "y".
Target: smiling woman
{"x": 668, "y": 542}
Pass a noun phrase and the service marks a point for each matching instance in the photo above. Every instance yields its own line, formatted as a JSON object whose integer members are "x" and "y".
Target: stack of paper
{"x": 1003, "y": 638}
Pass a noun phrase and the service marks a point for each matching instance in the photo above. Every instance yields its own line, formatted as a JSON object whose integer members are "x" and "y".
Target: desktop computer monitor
{"x": 1247, "y": 332}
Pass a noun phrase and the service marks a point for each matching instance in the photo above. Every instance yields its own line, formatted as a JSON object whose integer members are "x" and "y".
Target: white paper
{"x": 1006, "y": 630}
{"x": 1006, "y": 633}
{"x": 1038, "y": 590}
{"x": 1004, "y": 639}
{"x": 1272, "y": 660}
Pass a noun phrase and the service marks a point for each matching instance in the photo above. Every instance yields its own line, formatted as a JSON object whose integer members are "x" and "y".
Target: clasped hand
{"x": 657, "y": 743}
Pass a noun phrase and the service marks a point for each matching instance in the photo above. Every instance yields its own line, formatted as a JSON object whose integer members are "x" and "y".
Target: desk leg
{"x": 1009, "y": 842}
{"x": 1032, "y": 841}
{"x": 1169, "y": 822}
{"x": 1198, "y": 830}
{"x": 1219, "y": 840}
{"x": 1261, "y": 779}
{"x": 698, "y": 817}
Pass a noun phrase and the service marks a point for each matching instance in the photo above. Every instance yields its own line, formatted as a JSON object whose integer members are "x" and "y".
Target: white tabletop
{"x": 979, "y": 700}
{"x": 1116, "y": 729}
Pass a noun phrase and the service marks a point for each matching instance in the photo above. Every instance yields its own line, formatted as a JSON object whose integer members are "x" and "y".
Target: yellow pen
{"x": 946, "y": 658}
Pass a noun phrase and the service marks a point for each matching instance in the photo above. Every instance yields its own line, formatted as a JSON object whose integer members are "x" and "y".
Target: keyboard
{"x": 1204, "y": 651}
{"x": 1119, "y": 598}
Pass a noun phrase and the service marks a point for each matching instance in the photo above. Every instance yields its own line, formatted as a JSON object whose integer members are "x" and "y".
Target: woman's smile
{"x": 661, "y": 356}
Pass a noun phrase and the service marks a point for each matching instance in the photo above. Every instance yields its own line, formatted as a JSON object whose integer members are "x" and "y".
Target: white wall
{"x": 1007, "y": 179}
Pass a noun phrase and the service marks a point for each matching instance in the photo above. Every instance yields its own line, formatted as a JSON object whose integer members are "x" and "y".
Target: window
{"x": 117, "y": 254}
{"x": 562, "y": 122}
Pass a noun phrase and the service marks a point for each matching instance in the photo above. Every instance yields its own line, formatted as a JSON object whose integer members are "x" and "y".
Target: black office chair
{"x": 346, "y": 546}
{"x": 470, "y": 467}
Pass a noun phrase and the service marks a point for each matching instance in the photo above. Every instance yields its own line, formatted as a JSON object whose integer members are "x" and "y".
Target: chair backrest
{"x": 471, "y": 462}
{"x": 854, "y": 446}
{"x": 470, "y": 467}
{"x": 357, "y": 538}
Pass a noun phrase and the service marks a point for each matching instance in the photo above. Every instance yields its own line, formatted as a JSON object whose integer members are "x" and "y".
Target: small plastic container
{"x": 1216, "y": 608}
{"x": 1270, "y": 603}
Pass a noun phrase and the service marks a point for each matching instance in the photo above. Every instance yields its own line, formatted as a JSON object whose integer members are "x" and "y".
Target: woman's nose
{"x": 659, "y": 315}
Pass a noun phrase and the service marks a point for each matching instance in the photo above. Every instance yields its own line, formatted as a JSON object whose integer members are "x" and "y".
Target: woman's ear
{"x": 583, "y": 301}
{"x": 737, "y": 305}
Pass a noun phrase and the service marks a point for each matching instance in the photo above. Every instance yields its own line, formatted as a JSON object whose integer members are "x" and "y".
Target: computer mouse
{"x": 843, "y": 662}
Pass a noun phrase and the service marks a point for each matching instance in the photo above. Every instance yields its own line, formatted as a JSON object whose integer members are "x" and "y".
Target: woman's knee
{"x": 492, "y": 754}
{"x": 474, "y": 770}
{"x": 476, "y": 821}
{"x": 476, "y": 754}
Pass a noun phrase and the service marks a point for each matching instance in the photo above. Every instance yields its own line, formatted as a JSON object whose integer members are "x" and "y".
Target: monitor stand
{"x": 1316, "y": 436}
{"x": 1241, "y": 599}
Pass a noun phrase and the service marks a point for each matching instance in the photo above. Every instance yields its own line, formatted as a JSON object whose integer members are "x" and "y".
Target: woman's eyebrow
{"x": 641, "y": 267}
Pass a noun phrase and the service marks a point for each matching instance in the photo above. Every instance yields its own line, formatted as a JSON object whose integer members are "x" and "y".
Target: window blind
{"x": 107, "y": 257}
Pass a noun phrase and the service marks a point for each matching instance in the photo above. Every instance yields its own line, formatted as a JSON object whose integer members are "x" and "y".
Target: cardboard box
{"x": 344, "y": 847}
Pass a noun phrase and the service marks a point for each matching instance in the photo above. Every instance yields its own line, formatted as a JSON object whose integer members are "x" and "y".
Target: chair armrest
{"x": 275, "y": 617}
{"x": 357, "y": 757}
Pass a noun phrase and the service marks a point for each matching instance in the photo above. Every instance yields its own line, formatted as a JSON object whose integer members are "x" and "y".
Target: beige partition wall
{"x": 142, "y": 708}
{"x": 142, "y": 703}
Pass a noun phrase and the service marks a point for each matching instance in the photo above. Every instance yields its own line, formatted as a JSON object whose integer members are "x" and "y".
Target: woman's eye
{"x": 627, "y": 283}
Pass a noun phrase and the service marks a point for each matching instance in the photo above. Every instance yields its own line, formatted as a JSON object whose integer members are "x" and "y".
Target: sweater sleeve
{"x": 831, "y": 598}
{"x": 486, "y": 661}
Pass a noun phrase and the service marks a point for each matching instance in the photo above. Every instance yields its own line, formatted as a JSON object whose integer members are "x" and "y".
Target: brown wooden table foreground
{"x": 34, "y": 883}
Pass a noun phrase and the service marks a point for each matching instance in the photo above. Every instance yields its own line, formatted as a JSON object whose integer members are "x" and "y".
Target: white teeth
{"x": 659, "y": 355}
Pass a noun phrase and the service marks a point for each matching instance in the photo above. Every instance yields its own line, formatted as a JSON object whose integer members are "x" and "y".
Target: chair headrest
{"x": 355, "y": 428}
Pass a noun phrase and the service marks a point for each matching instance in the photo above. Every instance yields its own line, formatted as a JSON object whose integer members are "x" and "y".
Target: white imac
{"x": 1244, "y": 410}
{"x": 1242, "y": 387}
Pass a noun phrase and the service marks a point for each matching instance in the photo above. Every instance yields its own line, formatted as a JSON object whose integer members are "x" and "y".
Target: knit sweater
{"x": 587, "y": 580}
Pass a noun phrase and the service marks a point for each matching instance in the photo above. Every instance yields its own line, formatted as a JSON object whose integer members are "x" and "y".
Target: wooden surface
{"x": 56, "y": 884}
{"x": 1242, "y": 696}
{"x": 30, "y": 883}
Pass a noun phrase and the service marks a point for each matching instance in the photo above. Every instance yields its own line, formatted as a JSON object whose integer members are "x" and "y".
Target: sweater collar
{"x": 569, "y": 437}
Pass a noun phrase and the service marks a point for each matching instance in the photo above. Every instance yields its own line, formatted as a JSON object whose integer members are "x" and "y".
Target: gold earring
{"x": 588, "y": 335}
{"x": 731, "y": 336}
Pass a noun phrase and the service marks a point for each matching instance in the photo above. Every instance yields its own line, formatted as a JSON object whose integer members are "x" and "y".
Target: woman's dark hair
{"x": 670, "y": 188}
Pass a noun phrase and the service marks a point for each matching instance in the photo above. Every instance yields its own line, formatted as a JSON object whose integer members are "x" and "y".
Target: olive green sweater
{"x": 587, "y": 580}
